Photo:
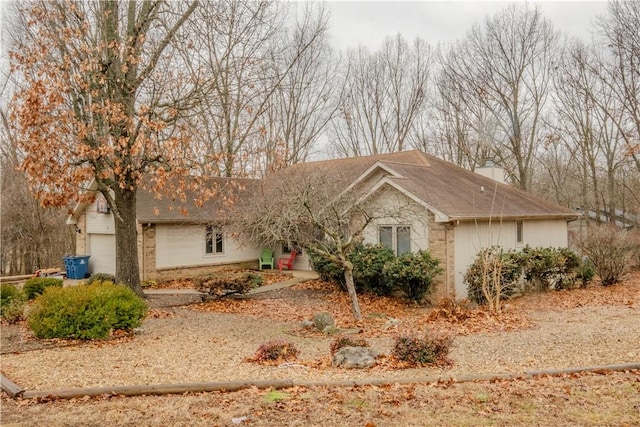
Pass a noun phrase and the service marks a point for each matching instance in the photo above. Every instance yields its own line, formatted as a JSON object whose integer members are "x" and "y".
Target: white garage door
{"x": 102, "y": 248}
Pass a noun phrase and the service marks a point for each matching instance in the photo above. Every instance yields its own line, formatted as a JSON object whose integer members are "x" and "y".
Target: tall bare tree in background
{"x": 457, "y": 130}
{"x": 506, "y": 67}
{"x": 250, "y": 65}
{"x": 619, "y": 29}
{"x": 306, "y": 99}
{"x": 384, "y": 96}
{"x": 597, "y": 92}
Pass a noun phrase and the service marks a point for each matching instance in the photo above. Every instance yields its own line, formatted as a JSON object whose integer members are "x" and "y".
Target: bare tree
{"x": 317, "y": 210}
{"x": 619, "y": 31}
{"x": 304, "y": 102}
{"x": 506, "y": 66}
{"x": 457, "y": 130}
{"x": 247, "y": 61}
{"x": 384, "y": 96}
{"x": 587, "y": 117}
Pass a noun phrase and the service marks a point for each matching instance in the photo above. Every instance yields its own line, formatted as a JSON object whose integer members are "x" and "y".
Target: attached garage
{"x": 102, "y": 248}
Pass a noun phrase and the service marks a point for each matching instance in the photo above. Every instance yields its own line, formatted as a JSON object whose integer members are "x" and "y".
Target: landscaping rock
{"x": 323, "y": 320}
{"x": 354, "y": 357}
{"x": 391, "y": 323}
{"x": 331, "y": 330}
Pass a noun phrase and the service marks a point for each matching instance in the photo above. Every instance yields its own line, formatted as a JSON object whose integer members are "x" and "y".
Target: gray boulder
{"x": 354, "y": 357}
{"x": 323, "y": 321}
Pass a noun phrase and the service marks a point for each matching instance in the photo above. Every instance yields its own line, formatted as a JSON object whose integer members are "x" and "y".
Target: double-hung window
{"x": 395, "y": 237}
{"x": 214, "y": 241}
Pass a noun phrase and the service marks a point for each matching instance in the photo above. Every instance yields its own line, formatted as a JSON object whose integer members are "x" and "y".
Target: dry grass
{"x": 558, "y": 329}
{"x": 577, "y": 400}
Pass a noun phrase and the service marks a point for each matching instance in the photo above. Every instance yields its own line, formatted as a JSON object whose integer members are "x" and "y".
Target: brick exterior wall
{"x": 148, "y": 253}
{"x": 81, "y": 237}
{"x": 441, "y": 246}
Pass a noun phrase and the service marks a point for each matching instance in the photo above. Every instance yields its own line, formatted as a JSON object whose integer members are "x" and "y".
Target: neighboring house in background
{"x": 454, "y": 214}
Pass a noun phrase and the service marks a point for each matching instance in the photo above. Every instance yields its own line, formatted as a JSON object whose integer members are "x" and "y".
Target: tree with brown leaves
{"x": 102, "y": 101}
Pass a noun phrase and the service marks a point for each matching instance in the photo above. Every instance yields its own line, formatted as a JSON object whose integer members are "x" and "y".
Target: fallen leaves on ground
{"x": 626, "y": 293}
{"x": 308, "y": 298}
{"x": 268, "y": 278}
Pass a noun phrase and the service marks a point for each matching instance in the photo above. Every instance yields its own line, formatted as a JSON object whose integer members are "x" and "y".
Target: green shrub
{"x": 36, "y": 286}
{"x": 493, "y": 276}
{"x": 422, "y": 351}
{"x": 585, "y": 272}
{"x": 276, "y": 351}
{"x": 368, "y": 268}
{"x": 548, "y": 268}
{"x": 346, "y": 341}
{"x": 12, "y": 303}
{"x": 8, "y": 293}
{"x": 413, "y": 273}
{"x": 611, "y": 249}
{"x": 101, "y": 277}
{"x": 86, "y": 312}
{"x": 326, "y": 268}
{"x": 224, "y": 285}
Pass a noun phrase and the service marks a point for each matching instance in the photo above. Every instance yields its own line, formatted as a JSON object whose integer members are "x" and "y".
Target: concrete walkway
{"x": 298, "y": 276}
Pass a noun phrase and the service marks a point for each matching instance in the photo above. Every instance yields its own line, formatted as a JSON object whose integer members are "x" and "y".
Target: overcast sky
{"x": 368, "y": 22}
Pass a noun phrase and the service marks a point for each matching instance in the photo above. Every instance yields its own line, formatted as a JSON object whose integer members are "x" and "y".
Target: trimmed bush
{"x": 426, "y": 350}
{"x": 611, "y": 249}
{"x": 548, "y": 268}
{"x": 276, "y": 351}
{"x": 586, "y": 272}
{"x": 326, "y": 268}
{"x": 368, "y": 268}
{"x": 86, "y": 312}
{"x": 413, "y": 273}
{"x": 368, "y": 263}
{"x": 36, "y": 286}
{"x": 12, "y": 303}
{"x": 101, "y": 277}
{"x": 346, "y": 341}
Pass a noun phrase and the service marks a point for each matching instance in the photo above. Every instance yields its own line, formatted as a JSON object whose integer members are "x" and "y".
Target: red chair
{"x": 287, "y": 261}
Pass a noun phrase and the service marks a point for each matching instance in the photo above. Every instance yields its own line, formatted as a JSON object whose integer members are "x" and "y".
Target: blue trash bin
{"x": 77, "y": 266}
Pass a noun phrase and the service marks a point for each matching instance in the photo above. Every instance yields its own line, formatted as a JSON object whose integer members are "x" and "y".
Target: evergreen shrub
{"x": 86, "y": 312}
{"x": 36, "y": 285}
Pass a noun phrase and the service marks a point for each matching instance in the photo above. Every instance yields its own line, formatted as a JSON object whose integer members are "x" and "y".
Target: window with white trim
{"x": 395, "y": 237}
{"x": 519, "y": 232}
{"x": 214, "y": 241}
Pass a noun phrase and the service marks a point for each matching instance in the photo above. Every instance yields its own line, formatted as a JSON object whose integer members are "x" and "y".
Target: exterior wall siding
{"x": 99, "y": 223}
{"x": 470, "y": 238}
{"x": 183, "y": 245}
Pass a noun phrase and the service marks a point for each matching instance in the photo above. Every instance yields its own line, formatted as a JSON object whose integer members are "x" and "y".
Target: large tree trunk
{"x": 351, "y": 288}
{"x": 127, "y": 270}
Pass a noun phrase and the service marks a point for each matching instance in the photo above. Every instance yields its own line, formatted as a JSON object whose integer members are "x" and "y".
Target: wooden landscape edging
{"x": 160, "y": 389}
{"x": 10, "y": 387}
